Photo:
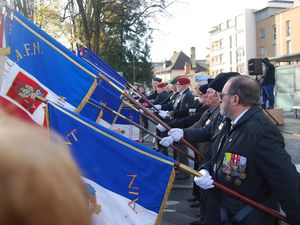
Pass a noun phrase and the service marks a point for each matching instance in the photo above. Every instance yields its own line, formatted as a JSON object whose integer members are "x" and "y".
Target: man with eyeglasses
{"x": 211, "y": 98}
{"x": 248, "y": 156}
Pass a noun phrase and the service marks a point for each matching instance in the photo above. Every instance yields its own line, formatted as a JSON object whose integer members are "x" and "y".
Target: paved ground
{"x": 178, "y": 211}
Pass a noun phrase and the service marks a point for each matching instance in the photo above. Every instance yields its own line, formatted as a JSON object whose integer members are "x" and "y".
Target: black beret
{"x": 203, "y": 88}
{"x": 218, "y": 83}
{"x": 157, "y": 79}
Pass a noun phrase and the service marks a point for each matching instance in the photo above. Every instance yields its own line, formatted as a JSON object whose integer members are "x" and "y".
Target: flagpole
{"x": 219, "y": 186}
{"x": 142, "y": 114}
{"x": 132, "y": 100}
{"x": 100, "y": 105}
{"x": 235, "y": 194}
{"x": 128, "y": 84}
{"x": 142, "y": 96}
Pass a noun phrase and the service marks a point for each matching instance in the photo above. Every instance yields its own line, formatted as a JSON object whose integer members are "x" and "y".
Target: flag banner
{"x": 38, "y": 65}
{"x": 104, "y": 68}
{"x": 127, "y": 182}
{"x": 128, "y": 130}
{"x": 102, "y": 116}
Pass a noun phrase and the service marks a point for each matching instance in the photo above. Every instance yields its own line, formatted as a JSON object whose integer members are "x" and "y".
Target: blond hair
{"x": 39, "y": 182}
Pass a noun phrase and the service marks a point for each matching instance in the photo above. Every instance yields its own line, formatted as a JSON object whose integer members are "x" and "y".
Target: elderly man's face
{"x": 212, "y": 98}
{"x": 225, "y": 101}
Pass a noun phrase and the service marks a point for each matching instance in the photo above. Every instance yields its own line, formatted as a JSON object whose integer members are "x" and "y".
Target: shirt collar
{"x": 239, "y": 116}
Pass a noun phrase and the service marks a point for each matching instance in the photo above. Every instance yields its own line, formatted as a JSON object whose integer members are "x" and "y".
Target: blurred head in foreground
{"x": 40, "y": 183}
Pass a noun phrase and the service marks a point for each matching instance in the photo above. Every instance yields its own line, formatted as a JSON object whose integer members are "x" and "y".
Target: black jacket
{"x": 259, "y": 168}
{"x": 182, "y": 104}
{"x": 161, "y": 98}
{"x": 269, "y": 75}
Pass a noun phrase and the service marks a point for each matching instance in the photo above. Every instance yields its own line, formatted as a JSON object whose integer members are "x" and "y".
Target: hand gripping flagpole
{"x": 187, "y": 169}
{"x": 233, "y": 193}
{"x": 132, "y": 100}
{"x": 100, "y": 105}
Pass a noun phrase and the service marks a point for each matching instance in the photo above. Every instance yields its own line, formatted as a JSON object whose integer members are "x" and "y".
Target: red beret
{"x": 183, "y": 80}
{"x": 162, "y": 85}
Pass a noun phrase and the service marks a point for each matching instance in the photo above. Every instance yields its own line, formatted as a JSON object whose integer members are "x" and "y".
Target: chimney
{"x": 193, "y": 57}
{"x": 187, "y": 68}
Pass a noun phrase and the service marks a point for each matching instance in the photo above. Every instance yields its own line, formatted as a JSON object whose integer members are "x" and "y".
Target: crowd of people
{"x": 242, "y": 148}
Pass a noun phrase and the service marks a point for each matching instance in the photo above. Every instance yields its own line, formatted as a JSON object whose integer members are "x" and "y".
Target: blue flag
{"x": 39, "y": 65}
{"x": 105, "y": 69}
{"x": 128, "y": 183}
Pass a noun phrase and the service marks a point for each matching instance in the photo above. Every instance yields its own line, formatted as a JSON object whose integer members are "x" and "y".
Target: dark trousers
{"x": 267, "y": 93}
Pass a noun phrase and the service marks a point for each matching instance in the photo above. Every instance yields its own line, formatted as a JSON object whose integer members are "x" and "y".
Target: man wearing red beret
{"x": 162, "y": 93}
{"x": 180, "y": 108}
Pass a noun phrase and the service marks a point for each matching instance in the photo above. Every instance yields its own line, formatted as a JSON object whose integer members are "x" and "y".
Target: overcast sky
{"x": 189, "y": 24}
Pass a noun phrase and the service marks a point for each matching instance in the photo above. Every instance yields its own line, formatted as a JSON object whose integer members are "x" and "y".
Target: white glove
{"x": 166, "y": 141}
{"x": 205, "y": 181}
{"x": 163, "y": 114}
{"x": 176, "y": 134}
{"x": 161, "y": 128}
{"x": 157, "y": 106}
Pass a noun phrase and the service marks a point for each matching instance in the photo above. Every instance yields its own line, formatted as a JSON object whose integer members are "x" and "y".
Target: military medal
{"x": 221, "y": 126}
{"x": 237, "y": 181}
{"x": 207, "y": 122}
{"x": 242, "y": 165}
{"x": 226, "y": 166}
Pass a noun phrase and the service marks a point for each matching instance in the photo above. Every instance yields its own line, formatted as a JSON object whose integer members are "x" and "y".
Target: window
{"x": 262, "y": 52}
{"x": 274, "y": 50}
{"x": 230, "y": 57}
{"x": 221, "y": 43}
{"x": 288, "y": 47}
{"x": 221, "y": 58}
{"x": 261, "y": 33}
{"x": 288, "y": 28}
{"x": 230, "y": 41}
{"x": 274, "y": 33}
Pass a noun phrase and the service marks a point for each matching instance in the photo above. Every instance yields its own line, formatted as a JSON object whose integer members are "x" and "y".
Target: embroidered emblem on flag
{"x": 24, "y": 90}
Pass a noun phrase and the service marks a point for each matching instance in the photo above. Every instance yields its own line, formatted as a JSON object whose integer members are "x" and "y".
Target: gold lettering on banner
{"x": 131, "y": 182}
{"x": 71, "y": 137}
{"x": 18, "y": 55}
{"x": 133, "y": 191}
{"x": 131, "y": 204}
{"x": 36, "y": 48}
{"x": 29, "y": 49}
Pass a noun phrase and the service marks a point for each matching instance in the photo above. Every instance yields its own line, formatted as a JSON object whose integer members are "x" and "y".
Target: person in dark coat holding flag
{"x": 248, "y": 156}
{"x": 162, "y": 93}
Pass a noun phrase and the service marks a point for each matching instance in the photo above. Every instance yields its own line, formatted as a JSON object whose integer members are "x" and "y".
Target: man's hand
{"x": 205, "y": 181}
{"x": 166, "y": 141}
{"x": 157, "y": 106}
{"x": 176, "y": 134}
{"x": 161, "y": 128}
{"x": 163, "y": 114}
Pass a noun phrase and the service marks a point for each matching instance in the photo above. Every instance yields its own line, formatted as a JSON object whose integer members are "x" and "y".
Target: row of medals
{"x": 232, "y": 172}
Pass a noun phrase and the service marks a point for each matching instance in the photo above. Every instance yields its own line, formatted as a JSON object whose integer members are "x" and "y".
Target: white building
{"x": 233, "y": 41}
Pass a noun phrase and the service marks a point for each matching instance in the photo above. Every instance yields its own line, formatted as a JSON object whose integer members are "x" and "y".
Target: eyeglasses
{"x": 221, "y": 95}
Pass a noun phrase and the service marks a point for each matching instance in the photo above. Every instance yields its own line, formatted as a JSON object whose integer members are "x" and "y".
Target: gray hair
{"x": 246, "y": 88}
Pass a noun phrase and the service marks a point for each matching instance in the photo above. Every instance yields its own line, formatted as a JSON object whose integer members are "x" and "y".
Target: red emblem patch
{"x": 24, "y": 90}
